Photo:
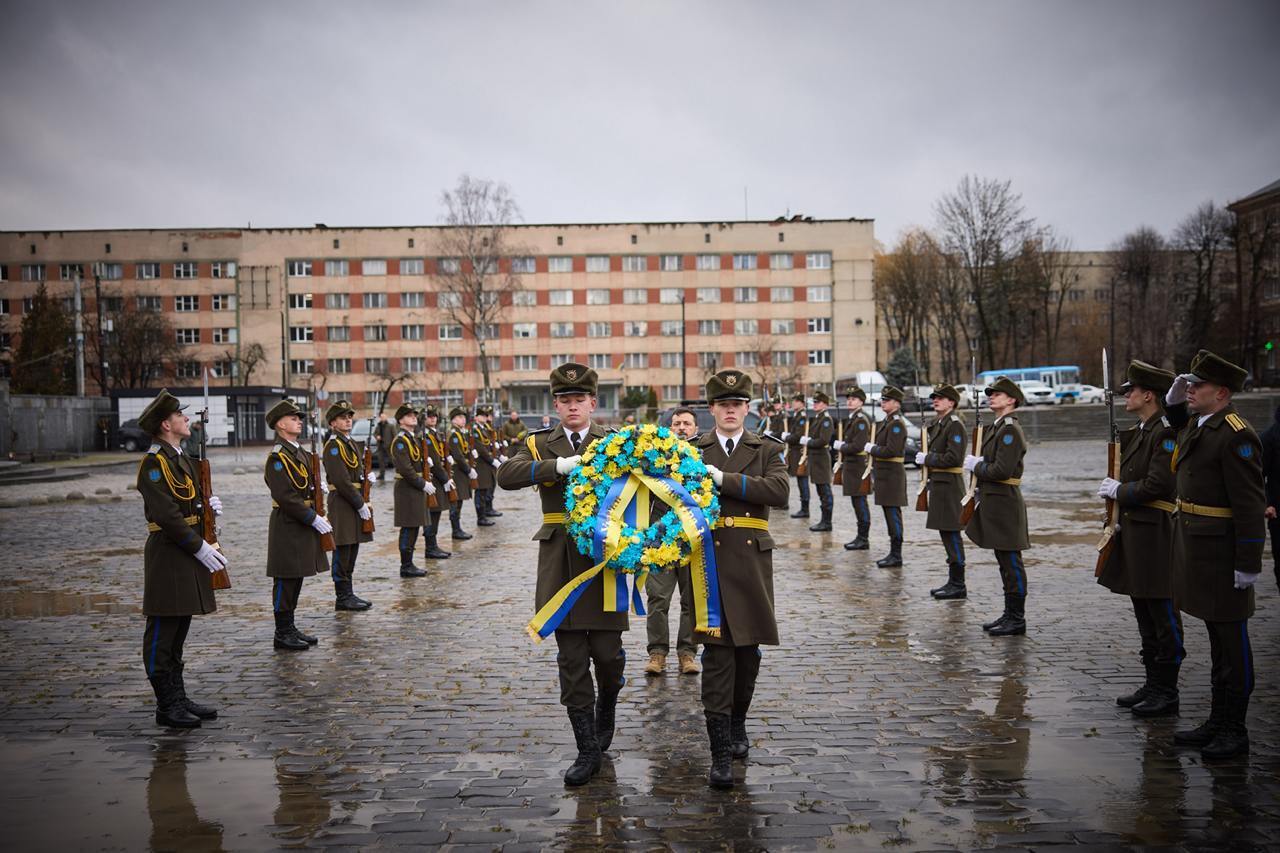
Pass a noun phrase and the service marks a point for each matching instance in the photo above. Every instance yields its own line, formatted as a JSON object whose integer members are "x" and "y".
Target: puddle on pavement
{"x": 34, "y": 604}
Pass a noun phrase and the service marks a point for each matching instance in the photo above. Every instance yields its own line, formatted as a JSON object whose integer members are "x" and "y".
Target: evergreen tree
{"x": 44, "y": 361}
{"x": 901, "y": 370}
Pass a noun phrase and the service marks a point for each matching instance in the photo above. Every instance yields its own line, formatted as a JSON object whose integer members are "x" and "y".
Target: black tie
{"x": 574, "y": 440}
{"x": 728, "y": 447}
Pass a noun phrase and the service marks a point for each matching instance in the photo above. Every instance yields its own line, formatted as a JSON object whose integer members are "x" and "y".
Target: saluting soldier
{"x": 412, "y": 488}
{"x": 855, "y": 432}
{"x": 999, "y": 521}
{"x": 818, "y": 442}
{"x": 462, "y": 465}
{"x": 344, "y": 471}
{"x": 751, "y": 476}
{"x": 588, "y": 635}
{"x": 177, "y": 561}
{"x": 944, "y": 459}
{"x": 437, "y": 464}
{"x": 888, "y": 472}
{"x": 1139, "y": 562}
{"x": 484, "y": 458}
{"x": 793, "y": 432}
{"x": 1218, "y": 540}
{"x": 293, "y": 534}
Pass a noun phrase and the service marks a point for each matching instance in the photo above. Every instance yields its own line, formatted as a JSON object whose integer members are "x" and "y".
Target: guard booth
{"x": 237, "y": 416}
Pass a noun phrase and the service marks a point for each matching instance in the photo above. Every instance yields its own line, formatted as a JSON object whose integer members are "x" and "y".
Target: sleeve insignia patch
{"x": 1245, "y": 451}
{"x": 154, "y": 475}
{"x": 333, "y": 451}
{"x": 957, "y": 439}
{"x": 1169, "y": 444}
{"x": 1008, "y": 439}
{"x": 897, "y": 428}
{"x": 279, "y": 466}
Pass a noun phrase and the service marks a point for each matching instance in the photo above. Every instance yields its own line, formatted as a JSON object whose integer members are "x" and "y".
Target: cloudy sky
{"x": 1105, "y": 114}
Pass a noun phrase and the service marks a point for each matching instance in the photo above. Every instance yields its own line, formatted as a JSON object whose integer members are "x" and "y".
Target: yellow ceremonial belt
{"x": 1200, "y": 509}
{"x": 275, "y": 505}
{"x": 1012, "y": 481}
{"x": 1163, "y": 506}
{"x": 946, "y": 470}
{"x": 742, "y": 521}
{"x": 898, "y": 459}
{"x": 553, "y": 518}
{"x": 155, "y": 528}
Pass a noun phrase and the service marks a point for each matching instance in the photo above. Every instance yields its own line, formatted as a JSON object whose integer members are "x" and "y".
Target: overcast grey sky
{"x": 1105, "y": 114}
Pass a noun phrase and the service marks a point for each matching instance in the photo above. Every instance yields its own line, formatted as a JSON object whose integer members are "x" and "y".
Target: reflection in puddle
{"x": 33, "y": 604}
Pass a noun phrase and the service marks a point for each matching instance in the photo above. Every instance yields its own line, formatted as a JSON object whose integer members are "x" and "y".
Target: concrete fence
{"x": 31, "y": 423}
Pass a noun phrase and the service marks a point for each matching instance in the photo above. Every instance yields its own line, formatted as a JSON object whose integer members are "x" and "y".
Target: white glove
{"x": 866, "y": 448}
{"x": 717, "y": 476}
{"x": 321, "y": 524}
{"x": 497, "y": 463}
{"x": 449, "y": 486}
{"x": 1178, "y": 391}
{"x": 1108, "y": 487}
{"x": 213, "y": 560}
{"x": 365, "y": 513}
{"x": 429, "y": 487}
{"x": 804, "y": 439}
{"x": 769, "y": 433}
{"x": 1245, "y": 580}
{"x": 503, "y": 458}
{"x": 373, "y": 476}
{"x": 215, "y": 504}
{"x": 475, "y": 454}
{"x": 784, "y": 435}
{"x": 838, "y": 444}
{"x": 473, "y": 477}
{"x": 565, "y": 464}
{"x": 919, "y": 458}
{"x": 971, "y": 462}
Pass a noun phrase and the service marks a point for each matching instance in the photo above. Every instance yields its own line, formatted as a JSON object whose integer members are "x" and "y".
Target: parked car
{"x": 131, "y": 437}
{"x": 1090, "y": 394}
{"x": 1038, "y": 393}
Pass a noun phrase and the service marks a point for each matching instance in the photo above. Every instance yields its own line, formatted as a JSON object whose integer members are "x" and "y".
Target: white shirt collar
{"x": 722, "y": 438}
{"x": 581, "y": 434}
{"x": 1204, "y": 418}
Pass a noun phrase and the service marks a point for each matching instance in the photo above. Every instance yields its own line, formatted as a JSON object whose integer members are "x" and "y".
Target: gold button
{"x": 728, "y": 521}
{"x": 748, "y": 541}
{"x": 717, "y": 543}
{"x": 748, "y": 515}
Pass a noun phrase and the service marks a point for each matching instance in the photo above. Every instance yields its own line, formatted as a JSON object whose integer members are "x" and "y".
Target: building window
{"x": 299, "y": 269}
{"x": 449, "y": 299}
{"x": 635, "y": 328}
{"x": 450, "y": 332}
{"x": 226, "y": 302}
{"x": 339, "y": 365}
{"x": 818, "y": 260}
{"x": 336, "y": 268}
{"x": 819, "y": 356}
{"x": 487, "y": 332}
{"x": 670, "y": 359}
{"x": 524, "y": 330}
{"x": 377, "y": 332}
{"x": 187, "y": 370}
{"x": 299, "y": 301}
{"x": 450, "y": 364}
{"x": 415, "y": 396}
{"x": 375, "y": 365}
{"x": 338, "y": 333}
{"x": 301, "y": 366}
{"x": 4, "y": 307}
{"x": 224, "y": 335}
{"x": 670, "y": 295}
{"x": 370, "y": 266}
{"x": 301, "y": 334}
{"x": 562, "y": 330}
{"x": 598, "y": 361}
{"x": 526, "y": 362}
{"x": 598, "y": 296}
{"x": 224, "y": 369}
{"x": 598, "y": 329}
{"x": 561, "y": 358}
{"x": 186, "y": 303}
{"x": 524, "y": 298}
{"x": 783, "y": 294}
{"x": 819, "y": 325}
{"x": 597, "y": 263}
{"x": 523, "y": 265}
{"x": 746, "y": 358}
{"x": 708, "y": 294}
{"x": 782, "y": 261}
{"x": 709, "y": 360}
{"x": 635, "y": 296}
{"x": 818, "y": 293}
{"x": 412, "y": 332}
{"x": 636, "y": 359}
{"x": 147, "y": 303}
{"x": 672, "y": 263}
{"x": 71, "y": 272}
{"x": 374, "y": 300}
{"x": 708, "y": 327}
{"x": 413, "y": 299}
{"x": 337, "y": 300}
{"x": 708, "y": 262}
{"x": 449, "y": 266}
{"x": 187, "y": 337}
{"x": 560, "y": 297}
{"x": 744, "y": 262}
{"x": 783, "y": 358}
{"x": 33, "y": 272}
{"x": 746, "y": 294}
{"x": 783, "y": 327}
{"x": 110, "y": 304}
{"x": 110, "y": 272}
{"x": 410, "y": 266}
{"x": 671, "y": 392}
{"x": 559, "y": 263}
{"x": 223, "y": 269}
{"x": 147, "y": 272}
{"x": 635, "y": 263}
{"x": 184, "y": 269}
{"x": 746, "y": 327}
{"x": 1075, "y": 295}
{"x": 415, "y": 364}
{"x": 671, "y": 328}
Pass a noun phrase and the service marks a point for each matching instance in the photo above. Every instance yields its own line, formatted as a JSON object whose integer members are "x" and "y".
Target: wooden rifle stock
{"x": 366, "y": 525}
{"x": 922, "y": 496}
{"x": 837, "y": 479}
{"x": 1108, "y": 540}
{"x": 208, "y": 522}
{"x": 971, "y": 499}
{"x": 432, "y": 502}
{"x": 802, "y": 467}
{"x": 317, "y": 497}
{"x": 864, "y": 488}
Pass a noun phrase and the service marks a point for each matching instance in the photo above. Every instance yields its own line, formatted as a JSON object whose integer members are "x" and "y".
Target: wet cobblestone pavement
{"x": 886, "y": 719}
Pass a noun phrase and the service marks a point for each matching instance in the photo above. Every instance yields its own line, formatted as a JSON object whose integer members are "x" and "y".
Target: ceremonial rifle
{"x": 837, "y": 479}
{"x": 864, "y": 488}
{"x": 1113, "y": 466}
{"x": 802, "y": 466}
{"x": 423, "y": 442}
{"x": 922, "y": 496}
{"x": 317, "y": 488}
{"x": 208, "y": 518}
{"x": 971, "y": 497}
{"x": 366, "y": 525}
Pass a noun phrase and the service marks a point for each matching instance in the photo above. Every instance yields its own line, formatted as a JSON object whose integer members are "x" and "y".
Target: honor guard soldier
{"x": 436, "y": 462}
{"x": 1000, "y": 520}
{"x": 854, "y": 432}
{"x": 751, "y": 477}
{"x": 888, "y": 471}
{"x": 294, "y": 551}
{"x": 462, "y": 465}
{"x": 588, "y": 635}
{"x": 818, "y": 442}
{"x": 486, "y": 460}
{"x": 412, "y": 488}
{"x": 944, "y": 460}
{"x": 1218, "y": 540}
{"x": 177, "y": 561}
{"x": 344, "y": 471}
{"x": 796, "y": 429}
{"x": 1138, "y": 564}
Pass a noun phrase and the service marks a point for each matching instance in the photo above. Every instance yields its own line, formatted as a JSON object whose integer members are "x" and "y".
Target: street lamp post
{"x": 684, "y": 358}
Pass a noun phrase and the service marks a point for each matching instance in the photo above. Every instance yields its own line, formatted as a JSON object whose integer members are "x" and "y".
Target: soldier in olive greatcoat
{"x": 889, "y": 472}
{"x": 413, "y": 488}
{"x": 486, "y": 461}
{"x": 797, "y": 454}
{"x": 852, "y": 435}
{"x": 436, "y": 463}
{"x": 462, "y": 466}
{"x": 822, "y": 431}
{"x": 943, "y": 460}
{"x": 347, "y": 511}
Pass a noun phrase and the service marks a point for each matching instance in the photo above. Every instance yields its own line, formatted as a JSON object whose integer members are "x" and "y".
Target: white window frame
{"x": 599, "y": 329}
{"x": 818, "y": 326}
{"x": 745, "y": 261}
{"x": 746, "y": 326}
{"x": 782, "y": 261}
{"x": 819, "y": 357}
{"x": 597, "y": 263}
{"x": 524, "y": 331}
{"x": 818, "y": 293}
{"x": 298, "y": 269}
{"x": 186, "y": 303}
{"x": 746, "y": 294}
{"x": 708, "y": 262}
{"x": 598, "y": 296}
{"x": 337, "y": 301}
{"x": 560, "y": 297}
{"x": 188, "y": 337}
{"x": 373, "y": 266}
{"x": 560, "y": 263}
{"x": 186, "y": 270}
{"x": 449, "y": 332}
{"x": 707, "y": 295}
{"x": 412, "y": 266}
{"x": 635, "y": 263}
{"x": 524, "y": 264}
{"x": 817, "y": 261}
{"x": 635, "y": 296}
{"x": 301, "y": 334}
{"x": 412, "y": 332}
{"x": 560, "y": 329}
{"x": 672, "y": 263}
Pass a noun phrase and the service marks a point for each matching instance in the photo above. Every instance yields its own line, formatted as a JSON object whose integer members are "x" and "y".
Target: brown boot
{"x": 657, "y": 664}
{"x": 689, "y": 664}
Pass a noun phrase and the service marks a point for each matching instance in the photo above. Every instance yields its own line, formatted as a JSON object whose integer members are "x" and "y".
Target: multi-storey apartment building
{"x": 648, "y": 305}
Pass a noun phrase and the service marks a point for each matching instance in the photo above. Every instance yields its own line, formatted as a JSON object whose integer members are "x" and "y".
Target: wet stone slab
{"x": 885, "y": 720}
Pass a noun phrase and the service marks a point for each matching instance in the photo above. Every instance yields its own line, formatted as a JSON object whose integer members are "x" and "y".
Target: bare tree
{"x": 138, "y": 346}
{"x": 773, "y": 374}
{"x": 952, "y": 317}
{"x": 249, "y": 359}
{"x": 1143, "y": 290}
{"x": 475, "y": 273}
{"x": 1048, "y": 278}
{"x": 905, "y": 292}
{"x": 386, "y": 382}
{"x": 1202, "y": 238}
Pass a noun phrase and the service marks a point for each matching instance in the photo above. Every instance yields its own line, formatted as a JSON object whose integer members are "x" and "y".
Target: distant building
{"x": 1258, "y": 265}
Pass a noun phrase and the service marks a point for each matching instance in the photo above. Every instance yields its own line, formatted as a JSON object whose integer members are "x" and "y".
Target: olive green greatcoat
{"x": 755, "y": 478}
{"x": 410, "y": 499}
{"x": 1219, "y": 465}
{"x": 853, "y": 459}
{"x": 293, "y": 545}
{"x": 1000, "y": 519}
{"x": 559, "y": 560}
{"x": 175, "y": 583}
{"x": 890, "y": 478}
{"x": 1142, "y": 551}
{"x": 437, "y": 461}
{"x": 822, "y": 428}
{"x": 513, "y": 431}
{"x": 481, "y": 436}
{"x": 947, "y": 446}
{"x": 462, "y": 463}
{"x": 344, "y": 470}
{"x": 795, "y": 429}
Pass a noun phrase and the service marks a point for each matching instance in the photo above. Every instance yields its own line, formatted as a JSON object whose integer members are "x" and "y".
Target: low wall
{"x": 32, "y": 423}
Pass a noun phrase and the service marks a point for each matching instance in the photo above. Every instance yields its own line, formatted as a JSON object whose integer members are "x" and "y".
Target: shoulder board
{"x": 155, "y": 448}
{"x": 277, "y": 448}
{"x": 955, "y": 417}
{"x": 1237, "y": 423}
{"x": 1165, "y": 420}
{"x": 774, "y": 439}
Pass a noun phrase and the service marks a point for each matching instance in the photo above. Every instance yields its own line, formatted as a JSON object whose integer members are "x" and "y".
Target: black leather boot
{"x": 170, "y": 711}
{"x": 1162, "y": 698}
{"x": 345, "y": 599}
{"x": 297, "y": 632}
{"x": 434, "y": 552}
{"x": 587, "y": 764}
{"x": 1131, "y": 699}
{"x": 739, "y": 745}
{"x": 482, "y": 518}
{"x": 1202, "y": 734}
{"x": 455, "y": 520}
{"x": 860, "y": 542}
{"x": 606, "y": 706}
{"x": 825, "y": 524}
{"x": 1231, "y": 738}
{"x": 954, "y": 587}
{"x": 1015, "y": 622}
{"x": 285, "y": 638}
{"x": 894, "y": 557}
{"x": 488, "y": 506}
{"x": 204, "y": 712}
{"x": 718, "y": 732}
{"x": 803, "y": 512}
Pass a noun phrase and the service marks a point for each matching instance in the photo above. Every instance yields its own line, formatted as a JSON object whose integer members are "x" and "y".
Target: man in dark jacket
{"x": 1271, "y": 475}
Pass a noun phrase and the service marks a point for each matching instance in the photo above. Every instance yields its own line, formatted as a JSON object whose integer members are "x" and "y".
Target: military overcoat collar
{"x": 743, "y": 454}
{"x": 559, "y": 444}
{"x": 1214, "y": 421}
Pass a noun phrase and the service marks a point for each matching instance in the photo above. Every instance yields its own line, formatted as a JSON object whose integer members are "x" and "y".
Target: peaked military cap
{"x": 891, "y": 392}
{"x": 729, "y": 384}
{"x": 337, "y": 410}
{"x": 1208, "y": 367}
{"x": 279, "y": 410}
{"x": 431, "y": 412}
{"x": 1143, "y": 375}
{"x": 821, "y": 397}
{"x": 157, "y": 410}
{"x": 1008, "y": 386}
{"x": 798, "y": 397}
{"x": 855, "y": 391}
{"x": 947, "y": 391}
{"x": 457, "y": 410}
{"x": 573, "y": 378}
{"x": 405, "y": 409}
